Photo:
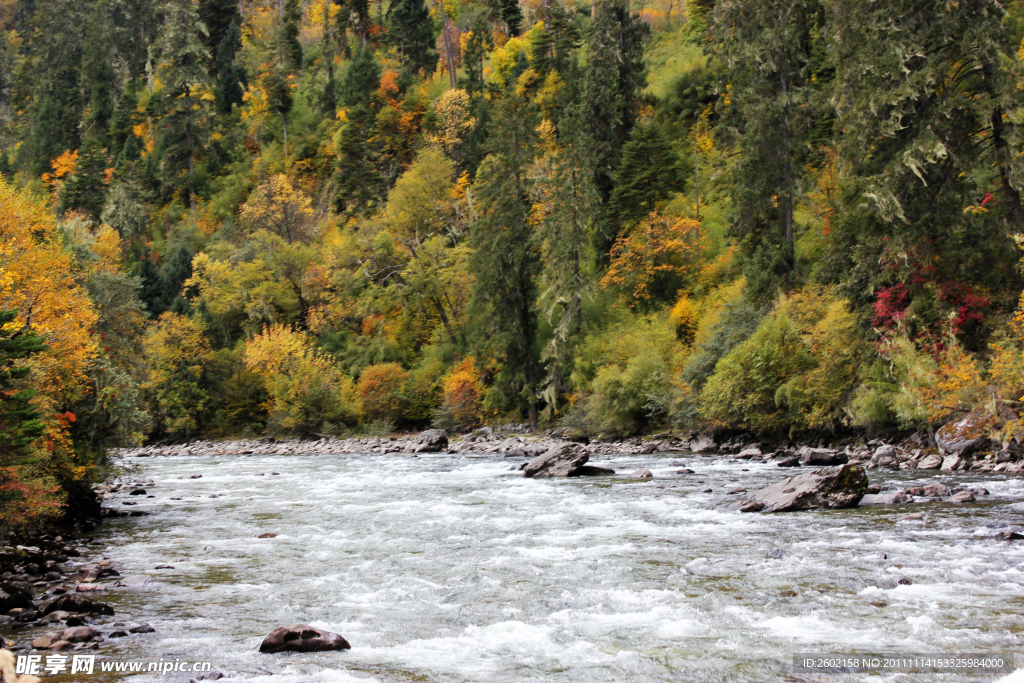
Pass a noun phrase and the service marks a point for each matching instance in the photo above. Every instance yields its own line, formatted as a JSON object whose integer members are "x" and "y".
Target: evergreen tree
{"x": 20, "y": 421}
{"x": 504, "y": 259}
{"x": 362, "y": 78}
{"x": 359, "y": 183}
{"x": 614, "y": 78}
{"x": 924, "y": 92}
{"x": 85, "y": 189}
{"x": 649, "y": 174}
{"x": 411, "y": 30}
{"x": 230, "y": 74}
{"x": 768, "y": 49}
{"x": 98, "y": 75}
{"x": 477, "y": 47}
{"x": 185, "y": 121}
{"x": 509, "y": 13}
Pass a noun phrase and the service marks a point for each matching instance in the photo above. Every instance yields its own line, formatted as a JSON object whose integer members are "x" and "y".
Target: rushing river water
{"x": 451, "y": 568}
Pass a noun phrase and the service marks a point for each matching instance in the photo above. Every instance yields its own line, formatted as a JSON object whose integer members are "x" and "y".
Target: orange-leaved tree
{"x": 654, "y": 256}
{"x": 382, "y": 388}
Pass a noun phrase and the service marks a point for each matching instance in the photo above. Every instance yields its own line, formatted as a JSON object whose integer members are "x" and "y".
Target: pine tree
{"x": 614, "y": 78}
{"x": 768, "y": 52}
{"x": 85, "y": 189}
{"x": 504, "y": 260}
{"x": 411, "y": 31}
{"x": 649, "y": 173}
{"x": 185, "y": 121}
{"x": 360, "y": 185}
{"x": 20, "y": 421}
{"x": 362, "y": 78}
{"x": 231, "y": 77}
{"x": 477, "y": 47}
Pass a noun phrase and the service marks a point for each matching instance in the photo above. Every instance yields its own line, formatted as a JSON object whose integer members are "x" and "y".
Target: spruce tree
{"x": 504, "y": 259}
{"x": 359, "y": 182}
{"x": 649, "y": 173}
{"x": 185, "y": 122}
{"x": 20, "y": 421}
{"x": 362, "y": 78}
{"x": 411, "y": 31}
{"x": 614, "y": 78}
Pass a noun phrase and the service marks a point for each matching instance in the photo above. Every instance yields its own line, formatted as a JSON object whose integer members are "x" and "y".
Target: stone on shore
{"x": 965, "y": 436}
{"x": 821, "y": 457}
{"x": 703, "y": 443}
{"x": 930, "y": 462}
{"x": 563, "y": 460}
{"x": 792, "y": 461}
{"x": 79, "y": 634}
{"x": 842, "y": 486}
{"x": 302, "y": 638}
{"x": 431, "y": 441}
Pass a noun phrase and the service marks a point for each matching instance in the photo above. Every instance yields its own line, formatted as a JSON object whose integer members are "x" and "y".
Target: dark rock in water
{"x": 141, "y": 628}
{"x": 830, "y": 487}
{"x": 76, "y": 602}
{"x": 873, "y": 489}
{"x": 138, "y": 492}
{"x": 904, "y": 581}
{"x": 1010, "y": 535}
{"x": 430, "y": 441}
{"x": 685, "y": 470}
{"x": 302, "y": 638}
{"x": 117, "y": 634}
{"x": 642, "y": 473}
{"x": 703, "y": 443}
{"x": 562, "y": 460}
{"x": 966, "y": 435}
{"x": 208, "y": 676}
{"x": 792, "y": 461}
{"x": 820, "y": 457}
{"x": 13, "y": 596}
{"x": 592, "y": 471}
{"x": 267, "y": 536}
{"x": 887, "y": 498}
{"x": 164, "y": 566}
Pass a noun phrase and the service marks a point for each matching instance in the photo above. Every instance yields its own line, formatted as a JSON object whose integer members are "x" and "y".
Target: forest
{"x": 301, "y": 217}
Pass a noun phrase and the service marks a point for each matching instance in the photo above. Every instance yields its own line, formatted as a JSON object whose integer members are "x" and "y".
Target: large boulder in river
{"x": 830, "y": 487}
{"x": 563, "y": 460}
{"x": 966, "y": 435}
{"x": 431, "y": 441}
{"x": 302, "y": 638}
{"x": 79, "y": 604}
{"x": 821, "y": 457}
{"x": 703, "y": 443}
{"x": 13, "y": 595}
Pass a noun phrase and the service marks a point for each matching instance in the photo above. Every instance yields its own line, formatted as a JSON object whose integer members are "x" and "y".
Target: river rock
{"x": 884, "y": 451}
{"x": 887, "y": 498}
{"x": 748, "y": 453}
{"x": 302, "y": 638}
{"x": 79, "y": 634}
{"x": 966, "y": 435}
{"x": 563, "y": 460}
{"x": 430, "y": 441}
{"x": 952, "y": 462}
{"x": 962, "y": 497}
{"x": 90, "y": 587}
{"x": 642, "y": 473}
{"x": 830, "y": 487}
{"x": 13, "y": 596}
{"x": 821, "y": 457}
{"x": 75, "y": 602}
{"x": 703, "y": 443}
{"x": 930, "y": 491}
{"x": 44, "y": 641}
{"x": 930, "y": 462}
{"x": 792, "y": 461}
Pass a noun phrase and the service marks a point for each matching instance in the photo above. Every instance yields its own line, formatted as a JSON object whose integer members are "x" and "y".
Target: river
{"x": 451, "y": 568}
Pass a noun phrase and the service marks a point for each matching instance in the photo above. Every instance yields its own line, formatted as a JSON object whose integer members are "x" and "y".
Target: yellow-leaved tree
{"x": 308, "y": 392}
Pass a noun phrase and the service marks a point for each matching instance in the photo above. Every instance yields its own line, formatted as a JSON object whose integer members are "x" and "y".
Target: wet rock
{"x": 793, "y": 461}
{"x": 430, "y": 441}
{"x": 685, "y": 470}
{"x": 703, "y": 443}
{"x": 44, "y": 641}
{"x": 79, "y": 634}
{"x": 90, "y": 587}
{"x": 1010, "y": 535}
{"x": 873, "y": 489}
{"x": 137, "y": 581}
{"x": 749, "y": 506}
{"x": 830, "y": 487}
{"x": 930, "y": 462}
{"x": 302, "y": 638}
{"x": 13, "y": 596}
{"x": 748, "y": 453}
{"x": 267, "y": 536}
{"x": 821, "y": 457}
{"x": 884, "y": 451}
{"x": 54, "y": 617}
{"x": 930, "y": 491}
{"x": 593, "y": 471}
{"x": 962, "y": 497}
{"x": 138, "y": 492}
{"x": 117, "y": 634}
{"x": 163, "y": 566}
{"x": 888, "y": 498}
{"x": 642, "y": 473}
{"x": 952, "y": 462}
{"x": 965, "y": 436}
{"x": 142, "y": 628}
{"x": 562, "y": 460}
{"x": 60, "y": 645}
{"x": 75, "y": 602}
{"x": 516, "y": 453}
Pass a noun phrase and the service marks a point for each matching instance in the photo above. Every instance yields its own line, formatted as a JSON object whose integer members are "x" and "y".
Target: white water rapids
{"x": 450, "y": 568}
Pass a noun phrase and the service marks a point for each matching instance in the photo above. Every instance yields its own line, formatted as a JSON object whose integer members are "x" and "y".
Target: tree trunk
{"x": 284, "y": 122}
{"x": 786, "y": 204}
{"x": 1010, "y": 194}
{"x": 191, "y": 161}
